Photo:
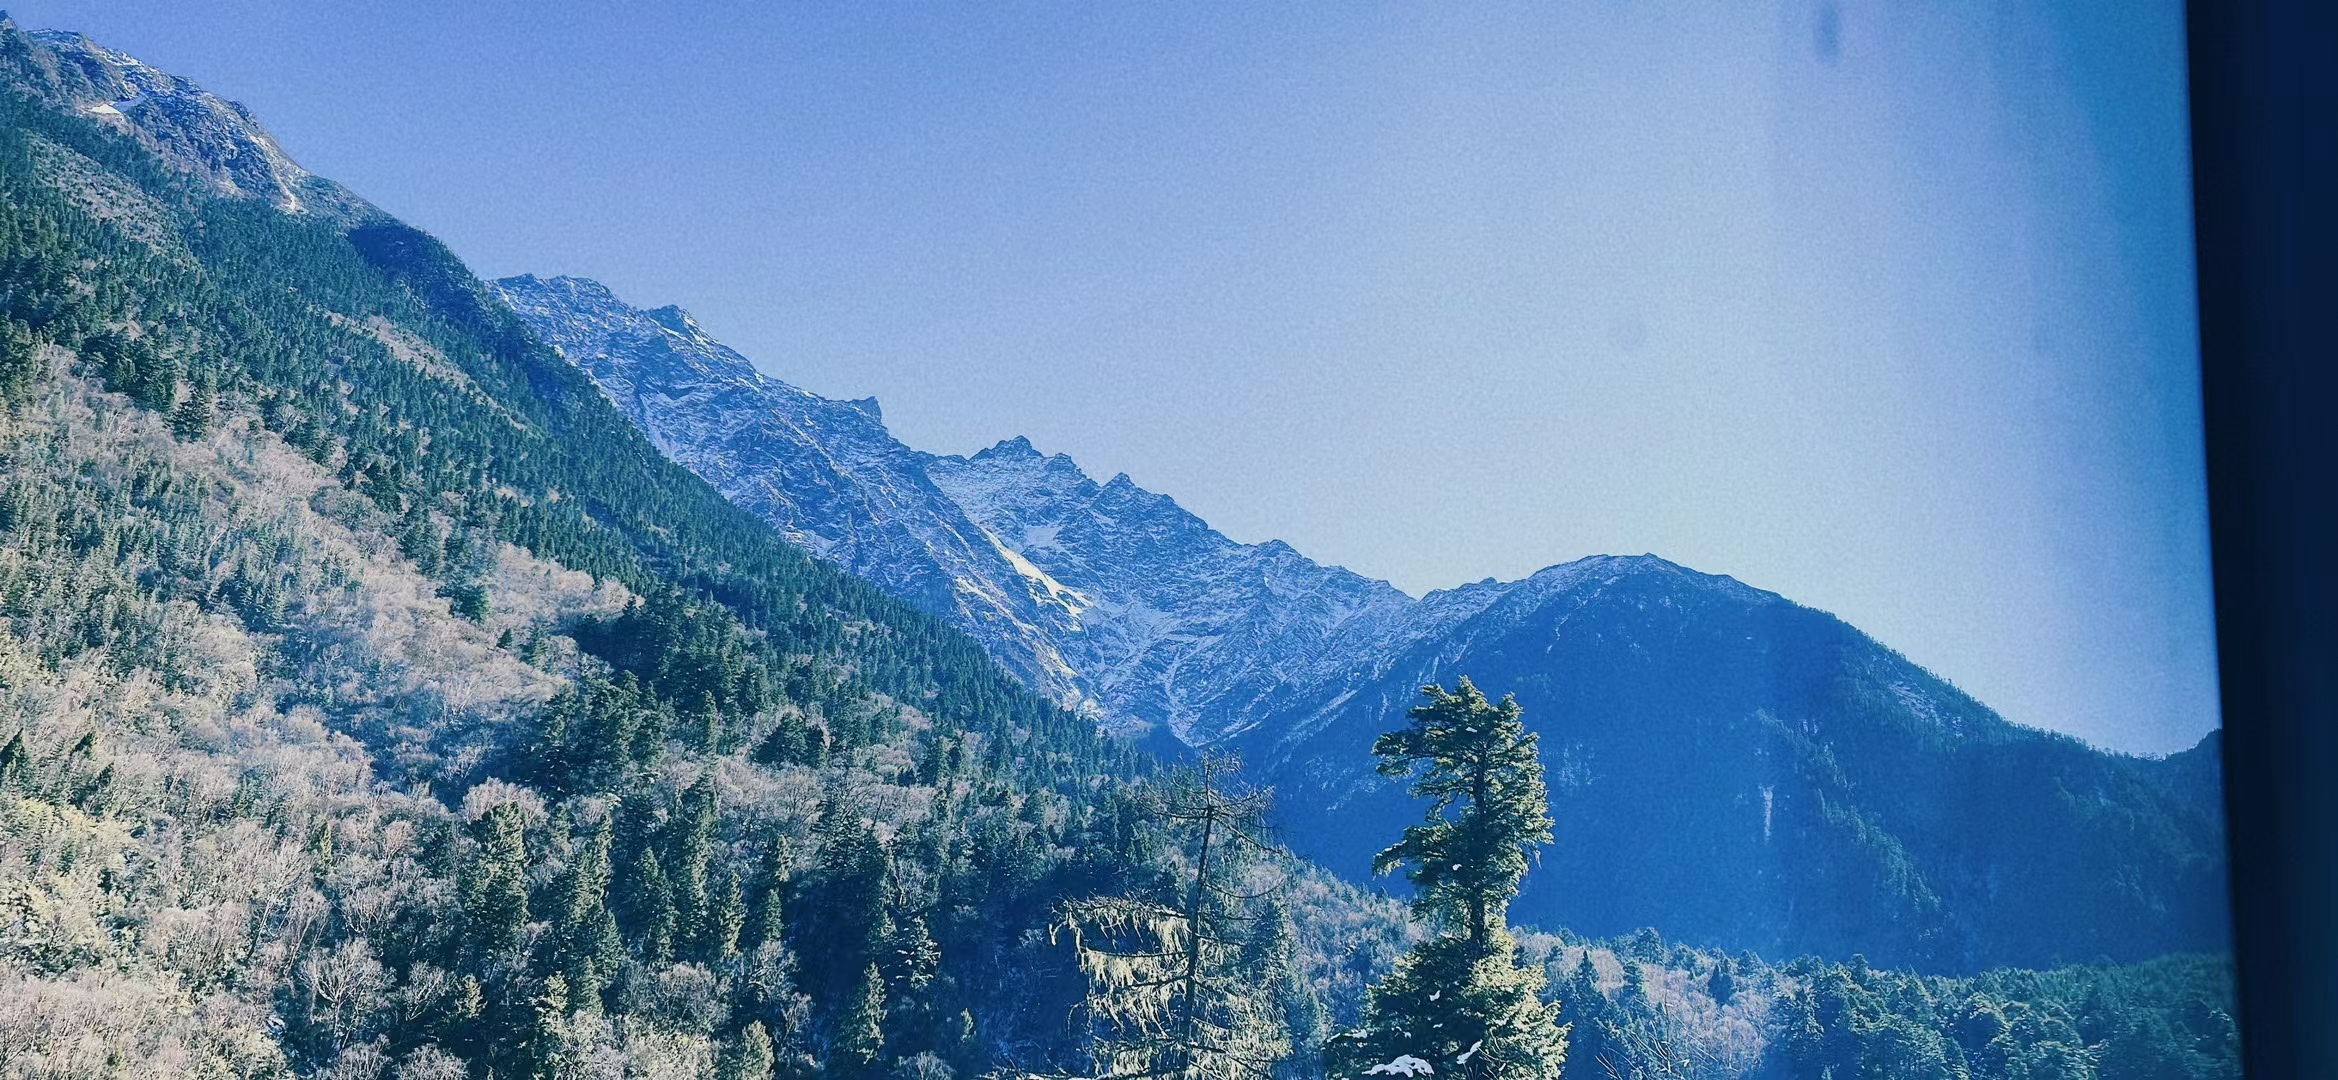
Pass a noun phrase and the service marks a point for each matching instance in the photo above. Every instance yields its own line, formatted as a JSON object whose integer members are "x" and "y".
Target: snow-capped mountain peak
{"x": 1016, "y": 447}
{"x": 1112, "y": 598}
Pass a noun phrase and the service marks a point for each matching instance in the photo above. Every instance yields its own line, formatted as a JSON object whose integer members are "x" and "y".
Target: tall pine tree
{"x": 1460, "y": 1004}
{"x": 1476, "y": 764}
{"x": 586, "y": 948}
{"x": 845, "y": 911}
{"x": 1271, "y": 956}
{"x": 495, "y": 891}
{"x": 860, "y": 1026}
{"x": 696, "y": 932}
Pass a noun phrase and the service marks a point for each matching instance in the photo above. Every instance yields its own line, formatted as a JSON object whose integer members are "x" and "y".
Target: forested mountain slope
{"x": 825, "y": 473}
{"x": 373, "y": 695}
{"x": 1731, "y": 767}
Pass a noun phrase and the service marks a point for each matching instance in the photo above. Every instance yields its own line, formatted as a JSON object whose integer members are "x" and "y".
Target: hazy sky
{"x": 1884, "y": 306}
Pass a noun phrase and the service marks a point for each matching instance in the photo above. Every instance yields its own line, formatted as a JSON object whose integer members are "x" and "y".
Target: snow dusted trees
{"x": 1170, "y": 992}
{"x": 1459, "y": 1004}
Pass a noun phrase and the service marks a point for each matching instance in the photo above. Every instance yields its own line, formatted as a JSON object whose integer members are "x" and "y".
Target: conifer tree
{"x": 15, "y": 762}
{"x": 192, "y": 419}
{"x": 1271, "y": 957}
{"x": 653, "y": 901}
{"x": 1168, "y": 989}
{"x": 707, "y": 723}
{"x": 1723, "y": 984}
{"x": 1590, "y": 1021}
{"x": 158, "y": 381}
{"x": 587, "y": 949}
{"x": 692, "y": 829}
{"x": 911, "y": 960}
{"x": 860, "y": 1031}
{"x": 795, "y": 741}
{"x": 769, "y": 920}
{"x": 1478, "y": 767}
{"x": 746, "y": 1056}
{"x": 1459, "y": 1004}
{"x": 543, "y": 1051}
{"x": 553, "y": 759}
{"x": 726, "y": 919}
{"x": 496, "y": 889}
{"x": 847, "y": 912}
{"x": 1460, "y": 1012}
{"x": 960, "y": 1044}
{"x": 19, "y": 361}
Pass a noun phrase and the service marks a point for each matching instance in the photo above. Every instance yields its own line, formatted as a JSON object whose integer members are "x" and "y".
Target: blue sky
{"x": 1884, "y": 306}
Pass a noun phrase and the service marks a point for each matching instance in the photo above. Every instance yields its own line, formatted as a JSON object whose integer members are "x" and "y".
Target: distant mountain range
{"x": 1725, "y": 765}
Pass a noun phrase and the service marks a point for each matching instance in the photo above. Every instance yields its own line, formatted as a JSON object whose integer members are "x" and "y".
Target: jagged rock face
{"x": 825, "y": 473}
{"x": 1724, "y": 764}
{"x": 190, "y": 129}
{"x": 1181, "y": 626}
{"x": 1106, "y": 596}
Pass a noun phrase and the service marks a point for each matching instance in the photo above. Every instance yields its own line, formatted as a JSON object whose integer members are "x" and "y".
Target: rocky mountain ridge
{"x": 183, "y": 125}
{"x": 1111, "y": 598}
